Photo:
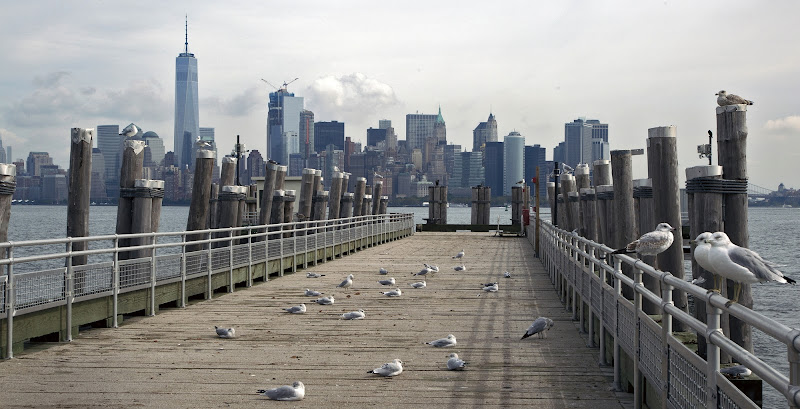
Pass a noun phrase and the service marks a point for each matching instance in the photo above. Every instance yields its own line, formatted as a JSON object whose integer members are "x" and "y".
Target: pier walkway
{"x": 174, "y": 360}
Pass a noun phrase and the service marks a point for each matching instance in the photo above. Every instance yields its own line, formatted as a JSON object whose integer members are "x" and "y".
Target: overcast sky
{"x": 535, "y": 65}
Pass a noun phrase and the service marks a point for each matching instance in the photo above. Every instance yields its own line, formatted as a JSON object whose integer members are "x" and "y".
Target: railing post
{"x": 574, "y": 286}
{"x": 637, "y": 307}
{"x": 184, "y": 299}
{"x": 617, "y": 352}
{"x": 712, "y": 353}
{"x": 230, "y": 261}
{"x": 602, "y": 317}
{"x": 115, "y": 283}
{"x": 666, "y": 332}
{"x": 10, "y": 301}
{"x": 266, "y": 255}
{"x": 794, "y": 369}
{"x": 70, "y": 284}
{"x": 294, "y": 247}
{"x": 280, "y": 245}
{"x": 208, "y": 267}
{"x": 153, "y": 279}
{"x": 579, "y": 279}
{"x": 305, "y": 254}
{"x": 249, "y": 257}
{"x": 589, "y": 301}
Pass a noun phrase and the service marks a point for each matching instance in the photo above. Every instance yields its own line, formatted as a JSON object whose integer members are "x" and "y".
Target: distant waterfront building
{"x": 493, "y": 163}
{"x": 255, "y": 165}
{"x": 208, "y": 135}
{"x": 97, "y": 192}
{"x": 468, "y": 170}
{"x": 450, "y": 152}
{"x": 3, "y": 156}
{"x": 9, "y": 157}
{"x": 484, "y": 132}
{"x": 585, "y": 141}
{"x": 419, "y": 127}
{"x": 283, "y": 125}
{"x": 328, "y": 133}
{"x": 109, "y": 141}
{"x": 187, "y": 110}
{"x": 600, "y": 148}
{"x": 306, "y": 133}
{"x": 154, "y": 149}
{"x": 376, "y": 136}
{"x": 54, "y": 188}
{"x": 513, "y": 161}
{"x": 559, "y": 152}
{"x": 35, "y": 162}
{"x": 535, "y": 156}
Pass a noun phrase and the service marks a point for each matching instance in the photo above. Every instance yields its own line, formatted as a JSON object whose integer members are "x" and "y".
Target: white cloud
{"x": 354, "y": 95}
{"x": 790, "y": 123}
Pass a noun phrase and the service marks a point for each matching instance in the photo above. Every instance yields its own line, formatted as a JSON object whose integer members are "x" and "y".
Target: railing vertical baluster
{"x": 230, "y": 261}
{"x": 712, "y": 353}
{"x": 153, "y": 279}
{"x": 266, "y": 254}
{"x": 305, "y": 251}
{"x": 666, "y": 332}
{"x": 11, "y": 294}
{"x": 575, "y": 281}
{"x": 794, "y": 369}
{"x": 184, "y": 298}
{"x": 115, "y": 283}
{"x": 280, "y": 245}
{"x": 589, "y": 300}
{"x": 70, "y": 287}
{"x": 294, "y": 248}
{"x": 208, "y": 267}
{"x": 249, "y": 257}
{"x": 617, "y": 352}
{"x": 637, "y": 307}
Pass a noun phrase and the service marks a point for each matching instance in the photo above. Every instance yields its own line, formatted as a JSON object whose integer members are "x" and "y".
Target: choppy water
{"x": 773, "y": 234}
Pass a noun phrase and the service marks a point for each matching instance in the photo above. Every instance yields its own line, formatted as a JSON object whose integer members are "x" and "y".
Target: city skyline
{"x": 658, "y": 64}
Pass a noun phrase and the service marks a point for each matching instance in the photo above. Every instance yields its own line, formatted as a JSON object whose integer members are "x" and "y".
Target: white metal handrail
{"x": 569, "y": 258}
{"x": 56, "y": 285}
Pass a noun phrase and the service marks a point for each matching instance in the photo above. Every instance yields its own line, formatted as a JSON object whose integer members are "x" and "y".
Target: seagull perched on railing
{"x": 652, "y": 243}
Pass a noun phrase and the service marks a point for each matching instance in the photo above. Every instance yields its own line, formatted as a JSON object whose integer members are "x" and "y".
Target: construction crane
{"x": 285, "y": 84}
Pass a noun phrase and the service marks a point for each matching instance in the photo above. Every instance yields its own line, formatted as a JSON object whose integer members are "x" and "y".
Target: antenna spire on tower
{"x": 186, "y": 28}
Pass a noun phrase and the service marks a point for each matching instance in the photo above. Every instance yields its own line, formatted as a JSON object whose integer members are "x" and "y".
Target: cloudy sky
{"x": 534, "y": 64}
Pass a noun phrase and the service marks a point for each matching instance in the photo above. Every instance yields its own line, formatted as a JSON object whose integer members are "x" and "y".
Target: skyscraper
{"x": 513, "y": 161}
{"x": 328, "y": 133}
{"x": 484, "y": 132}
{"x": 187, "y": 111}
{"x": 493, "y": 164}
{"x": 585, "y": 141}
{"x": 535, "y": 156}
{"x": 283, "y": 125}
{"x": 306, "y": 133}
{"x": 419, "y": 127}
{"x": 109, "y": 141}
{"x": 3, "y": 158}
{"x": 208, "y": 135}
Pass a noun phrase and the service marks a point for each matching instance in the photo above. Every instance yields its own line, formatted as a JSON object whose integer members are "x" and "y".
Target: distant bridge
{"x": 754, "y": 190}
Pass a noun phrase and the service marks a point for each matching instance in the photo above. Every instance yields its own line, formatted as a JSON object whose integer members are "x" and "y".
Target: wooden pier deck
{"x": 174, "y": 360}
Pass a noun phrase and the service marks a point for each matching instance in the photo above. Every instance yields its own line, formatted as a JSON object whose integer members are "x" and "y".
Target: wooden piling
{"x": 142, "y": 220}
{"x": 157, "y": 187}
{"x": 228, "y": 208}
{"x": 551, "y": 199}
{"x": 280, "y": 177}
{"x": 605, "y": 213}
{"x": 481, "y": 204}
{"x": 132, "y": 169}
{"x": 307, "y": 189}
{"x": 377, "y": 189}
{"x": 582, "y": 181}
{"x": 266, "y": 195}
{"x": 732, "y": 156}
{"x": 320, "y": 204}
{"x": 358, "y": 196}
{"x": 288, "y": 210}
{"x": 621, "y": 174}
{"x": 277, "y": 207}
{"x": 602, "y": 172}
{"x": 366, "y": 209}
{"x": 705, "y": 215}
{"x": 80, "y": 182}
{"x": 335, "y": 196}
{"x": 213, "y": 207}
{"x": 201, "y": 196}
{"x": 227, "y": 176}
{"x": 589, "y": 213}
{"x": 383, "y": 209}
{"x": 645, "y": 222}
{"x": 347, "y": 204}
{"x": 8, "y": 184}
{"x": 516, "y": 205}
{"x": 662, "y": 168}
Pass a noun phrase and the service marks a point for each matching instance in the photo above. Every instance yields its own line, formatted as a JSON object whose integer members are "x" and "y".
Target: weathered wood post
{"x": 645, "y": 222}
{"x": 345, "y": 188}
{"x": 307, "y": 190}
{"x": 567, "y": 187}
{"x": 383, "y": 209}
{"x": 366, "y": 209}
{"x": 320, "y": 204}
{"x": 280, "y": 177}
{"x": 288, "y": 210}
{"x": 201, "y": 196}
{"x": 605, "y": 214}
{"x": 621, "y": 173}
{"x": 347, "y": 204}
{"x": 582, "y": 181}
{"x": 705, "y": 215}
{"x": 486, "y": 204}
{"x": 662, "y": 168}
{"x": 228, "y": 211}
{"x": 132, "y": 169}
{"x": 443, "y": 204}
{"x": 377, "y": 189}
{"x": 227, "y": 175}
{"x": 732, "y": 156}
{"x": 142, "y": 221}
{"x": 358, "y": 197}
{"x": 276, "y": 217}
{"x": 318, "y": 186}
{"x": 80, "y": 182}
{"x": 157, "y": 191}
{"x": 266, "y": 196}
{"x": 335, "y": 196}
{"x": 602, "y": 172}
{"x": 551, "y": 199}
{"x": 589, "y": 213}
{"x": 213, "y": 207}
{"x": 474, "y": 210}
{"x": 8, "y": 184}
{"x": 516, "y": 206}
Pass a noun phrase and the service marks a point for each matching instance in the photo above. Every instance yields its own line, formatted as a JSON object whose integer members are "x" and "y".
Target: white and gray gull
{"x": 449, "y": 341}
{"x": 723, "y": 99}
{"x": 652, "y": 243}
{"x": 539, "y": 326}
{"x": 389, "y": 369}
{"x": 295, "y": 391}
{"x": 455, "y": 363}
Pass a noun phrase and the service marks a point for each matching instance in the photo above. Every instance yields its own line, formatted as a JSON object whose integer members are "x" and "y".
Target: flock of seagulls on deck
{"x": 296, "y": 391}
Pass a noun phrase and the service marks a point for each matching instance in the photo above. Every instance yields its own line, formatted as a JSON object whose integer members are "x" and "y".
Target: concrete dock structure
{"x": 175, "y": 360}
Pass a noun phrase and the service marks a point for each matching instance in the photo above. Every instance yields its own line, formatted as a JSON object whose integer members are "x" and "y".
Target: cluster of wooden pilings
{"x": 481, "y": 204}
{"x": 437, "y": 204}
{"x": 520, "y": 201}
{"x": 616, "y": 209}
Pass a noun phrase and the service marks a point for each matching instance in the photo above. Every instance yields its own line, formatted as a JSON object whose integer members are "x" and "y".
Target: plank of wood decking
{"x": 175, "y": 360}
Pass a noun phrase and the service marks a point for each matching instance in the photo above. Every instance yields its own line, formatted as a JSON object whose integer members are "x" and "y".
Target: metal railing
{"x": 38, "y": 276}
{"x": 680, "y": 377}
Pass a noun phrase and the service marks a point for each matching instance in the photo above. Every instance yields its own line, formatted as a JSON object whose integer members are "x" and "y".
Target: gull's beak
{"x": 692, "y": 242}
{"x": 717, "y": 93}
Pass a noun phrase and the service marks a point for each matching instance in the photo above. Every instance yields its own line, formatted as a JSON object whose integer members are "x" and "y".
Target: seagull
{"x": 423, "y": 272}
{"x": 129, "y": 131}
{"x": 723, "y": 99}
{"x": 298, "y": 309}
{"x": 737, "y": 372}
{"x": 701, "y": 252}
{"x": 314, "y": 275}
{"x": 433, "y": 268}
{"x": 455, "y": 363}
{"x": 460, "y": 268}
{"x": 325, "y": 300}
{"x": 444, "y": 342}
{"x": 312, "y": 293}
{"x": 201, "y": 143}
{"x": 459, "y": 255}
{"x": 491, "y": 287}
{"x": 567, "y": 169}
{"x": 377, "y": 176}
{"x": 419, "y": 284}
{"x": 392, "y": 293}
{"x": 225, "y": 332}
{"x": 741, "y": 265}
{"x": 651, "y": 243}
{"x": 389, "y": 369}
{"x": 507, "y": 274}
{"x": 286, "y": 392}
{"x": 354, "y": 315}
{"x": 387, "y": 282}
{"x": 383, "y": 271}
{"x": 347, "y": 283}
{"x": 272, "y": 162}
{"x": 539, "y": 326}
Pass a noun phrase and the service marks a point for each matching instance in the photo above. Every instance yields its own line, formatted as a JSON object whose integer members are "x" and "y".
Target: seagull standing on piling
{"x": 295, "y": 391}
{"x": 652, "y": 243}
{"x": 741, "y": 265}
{"x": 723, "y": 99}
{"x": 129, "y": 131}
